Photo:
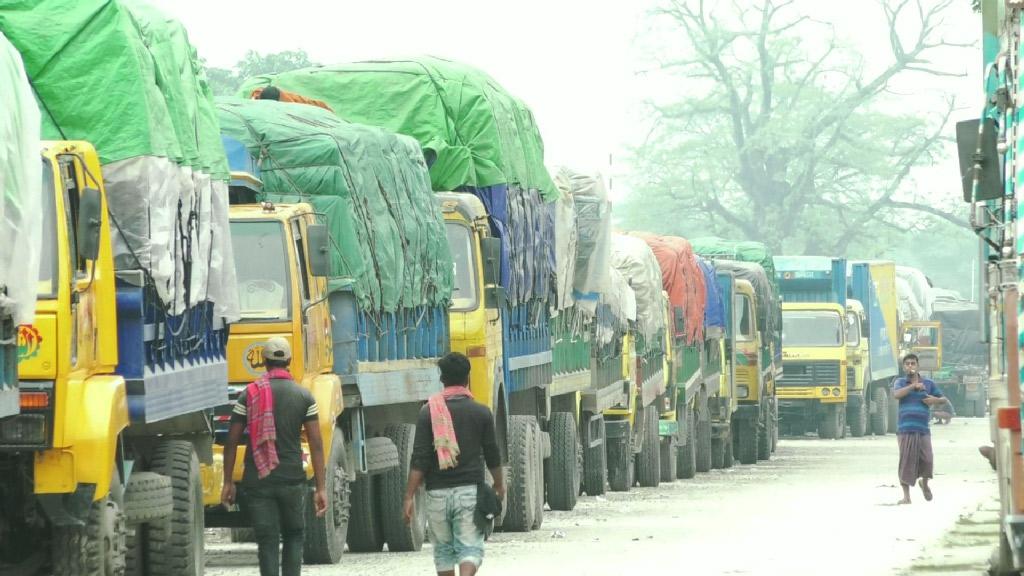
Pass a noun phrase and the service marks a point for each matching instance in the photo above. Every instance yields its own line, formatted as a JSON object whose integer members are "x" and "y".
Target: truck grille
{"x": 810, "y": 374}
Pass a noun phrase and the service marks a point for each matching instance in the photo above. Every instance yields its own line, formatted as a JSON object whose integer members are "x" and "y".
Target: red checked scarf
{"x": 445, "y": 444}
{"x": 262, "y": 430}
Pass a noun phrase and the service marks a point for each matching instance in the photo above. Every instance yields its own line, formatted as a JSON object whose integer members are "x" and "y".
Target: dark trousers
{"x": 278, "y": 519}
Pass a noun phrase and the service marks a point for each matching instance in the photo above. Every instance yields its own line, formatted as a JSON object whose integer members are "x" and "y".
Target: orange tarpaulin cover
{"x": 287, "y": 96}
{"x": 683, "y": 280}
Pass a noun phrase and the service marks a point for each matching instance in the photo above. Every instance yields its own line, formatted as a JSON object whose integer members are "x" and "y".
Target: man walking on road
{"x": 455, "y": 439}
{"x": 275, "y": 410}
{"x": 916, "y": 395}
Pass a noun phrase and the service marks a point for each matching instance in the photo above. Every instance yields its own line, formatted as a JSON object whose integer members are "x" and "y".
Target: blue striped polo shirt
{"x": 914, "y": 413}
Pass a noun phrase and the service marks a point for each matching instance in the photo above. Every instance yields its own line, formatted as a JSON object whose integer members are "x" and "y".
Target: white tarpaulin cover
{"x": 583, "y": 230}
{"x": 917, "y": 292}
{"x": 20, "y": 185}
{"x": 621, "y": 302}
{"x": 633, "y": 258}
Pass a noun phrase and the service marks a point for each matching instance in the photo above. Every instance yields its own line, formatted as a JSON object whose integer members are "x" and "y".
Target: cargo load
{"x": 683, "y": 280}
{"x": 639, "y": 267}
{"x": 371, "y": 185}
{"x": 714, "y": 307}
{"x": 476, "y": 138}
{"x": 124, "y": 77}
{"x": 20, "y": 188}
{"x": 583, "y": 231}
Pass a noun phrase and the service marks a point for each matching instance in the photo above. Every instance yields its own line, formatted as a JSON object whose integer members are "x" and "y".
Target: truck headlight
{"x": 835, "y": 391}
{"x": 742, "y": 391}
{"x": 23, "y": 430}
{"x": 825, "y": 392}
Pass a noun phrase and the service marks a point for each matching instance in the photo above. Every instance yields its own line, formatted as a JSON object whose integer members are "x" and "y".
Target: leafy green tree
{"x": 777, "y": 138}
{"x": 225, "y": 82}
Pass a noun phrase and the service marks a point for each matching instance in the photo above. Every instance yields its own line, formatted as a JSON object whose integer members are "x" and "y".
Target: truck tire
{"x": 669, "y": 455}
{"x": 894, "y": 411}
{"x": 326, "y": 535}
{"x": 649, "y": 461}
{"x": 96, "y": 549}
{"x": 686, "y": 463}
{"x": 381, "y": 455}
{"x": 364, "y": 529}
{"x": 828, "y": 423}
{"x": 746, "y": 440}
{"x": 542, "y": 452}
{"x": 521, "y": 492}
{"x": 858, "y": 418}
{"x": 880, "y": 415}
{"x": 620, "y": 463}
{"x": 595, "y": 460}
{"x": 728, "y": 461}
{"x": 764, "y": 437}
{"x": 175, "y": 547}
{"x": 564, "y": 482}
{"x": 148, "y": 496}
{"x": 703, "y": 445}
{"x": 399, "y": 536}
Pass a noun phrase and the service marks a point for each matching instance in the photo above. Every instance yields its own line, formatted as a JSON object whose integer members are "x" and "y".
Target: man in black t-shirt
{"x": 276, "y": 410}
{"x": 455, "y": 439}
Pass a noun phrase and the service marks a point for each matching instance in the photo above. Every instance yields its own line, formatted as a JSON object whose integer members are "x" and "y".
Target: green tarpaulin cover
{"x": 372, "y": 186}
{"x": 479, "y": 133}
{"x": 752, "y": 252}
{"x": 119, "y": 74}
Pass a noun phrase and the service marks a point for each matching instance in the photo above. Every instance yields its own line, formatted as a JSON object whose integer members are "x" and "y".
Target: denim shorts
{"x": 455, "y": 536}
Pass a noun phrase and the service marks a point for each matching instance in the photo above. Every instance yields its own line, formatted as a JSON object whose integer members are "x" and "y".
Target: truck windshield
{"x": 261, "y": 263}
{"x": 46, "y": 288}
{"x": 811, "y": 328}
{"x": 464, "y": 292}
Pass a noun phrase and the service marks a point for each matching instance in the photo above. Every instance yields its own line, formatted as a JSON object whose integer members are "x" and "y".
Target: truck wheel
{"x": 96, "y": 549}
{"x": 686, "y": 464}
{"x": 728, "y": 460}
{"x": 542, "y": 452}
{"x": 828, "y": 423}
{"x": 858, "y": 418}
{"x": 521, "y": 492}
{"x": 595, "y": 459}
{"x": 399, "y": 536}
{"x": 148, "y": 497}
{"x": 746, "y": 440}
{"x": 364, "y": 529}
{"x": 564, "y": 483}
{"x": 764, "y": 437}
{"x": 880, "y": 415}
{"x": 326, "y": 535}
{"x": 669, "y": 454}
{"x": 649, "y": 463}
{"x": 620, "y": 463}
{"x": 175, "y": 547}
{"x": 894, "y": 409}
{"x": 703, "y": 444}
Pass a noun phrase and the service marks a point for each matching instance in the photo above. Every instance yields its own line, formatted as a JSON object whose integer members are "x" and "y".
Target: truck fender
{"x": 94, "y": 415}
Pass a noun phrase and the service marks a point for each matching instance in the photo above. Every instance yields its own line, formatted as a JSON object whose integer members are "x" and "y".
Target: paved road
{"x": 819, "y": 507}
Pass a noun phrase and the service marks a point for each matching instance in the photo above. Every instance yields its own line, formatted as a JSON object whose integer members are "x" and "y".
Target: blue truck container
{"x": 811, "y": 279}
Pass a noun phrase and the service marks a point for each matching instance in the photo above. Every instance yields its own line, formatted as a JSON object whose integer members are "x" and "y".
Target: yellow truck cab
{"x": 753, "y": 385}
{"x": 103, "y": 344}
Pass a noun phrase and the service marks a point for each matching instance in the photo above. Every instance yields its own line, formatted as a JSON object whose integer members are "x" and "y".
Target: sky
{"x": 574, "y": 62}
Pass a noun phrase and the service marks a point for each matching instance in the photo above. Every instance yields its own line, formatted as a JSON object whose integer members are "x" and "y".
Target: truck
{"x": 20, "y": 217}
{"x": 990, "y": 174}
{"x": 131, "y": 314}
{"x": 481, "y": 142}
{"x": 340, "y": 249}
{"x": 719, "y": 360}
{"x": 755, "y": 349}
{"x": 633, "y": 422}
{"x": 875, "y": 346}
{"x": 813, "y": 389}
{"x": 963, "y": 375}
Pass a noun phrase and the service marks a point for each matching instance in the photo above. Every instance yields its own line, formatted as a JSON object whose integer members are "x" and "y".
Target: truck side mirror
{"x": 318, "y": 239}
{"x": 90, "y": 221}
{"x": 908, "y": 337}
{"x": 491, "y": 248}
{"x": 976, "y": 143}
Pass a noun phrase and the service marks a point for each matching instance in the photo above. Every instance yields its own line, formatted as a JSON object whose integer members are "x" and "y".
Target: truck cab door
{"x": 316, "y": 325}
{"x": 924, "y": 338}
